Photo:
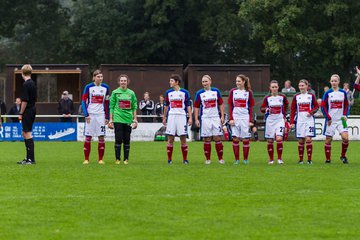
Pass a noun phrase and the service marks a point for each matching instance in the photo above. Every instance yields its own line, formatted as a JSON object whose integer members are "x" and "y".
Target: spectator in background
{"x": 2, "y": 109}
{"x": 310, "y": 90}
{"x": 65, "y": 107}
{"x": 319, "y": 113}
{"x": 159, "y": 108}
{"x": 15, "y": 110}
{"x": 350, "y": 95}
{"x": 146, "y": 107}
{"x": 288, "y": 88}
{"x": 326, "y": 88}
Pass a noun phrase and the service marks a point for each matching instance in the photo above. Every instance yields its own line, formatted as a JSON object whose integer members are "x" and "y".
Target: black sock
{"x": 256, "y": 136}
{"x": 126, "y": 151}
{"x": 117, "y": 151}
{"x": 29, "y": 143}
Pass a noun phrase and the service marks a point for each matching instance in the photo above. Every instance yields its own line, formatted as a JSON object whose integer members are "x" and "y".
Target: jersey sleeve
{"x": 231, "y": 105}
{"x": 346, "y": 104}
{"x": 251, "y": 105}
{"x": 112, "y": 102}
{"x": 357, "y": 87}
{"x": 286, "y": 105}
{"x": 219, "y": 98}
{"x": 166, "y": 99}
{"x": 325, "y": 106}
{"x": 197, "y": 100}
{"x": 133, "y": 102}
{"x": 25, "y": 94}
{"x": 315, "y": 105}
{"x": 187, "y": 99}
{"x": 264, "y": 105}
{"x": 293, "y": 110}
{"x": 106, "y": 103}
{"x": 84, "y": 100}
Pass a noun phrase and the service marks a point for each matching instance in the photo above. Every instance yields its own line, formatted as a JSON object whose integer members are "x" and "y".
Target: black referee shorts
{"x": 28, "y": 119}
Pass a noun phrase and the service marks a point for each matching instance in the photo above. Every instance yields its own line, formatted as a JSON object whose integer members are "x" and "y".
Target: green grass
{"x": 59, "y": 198}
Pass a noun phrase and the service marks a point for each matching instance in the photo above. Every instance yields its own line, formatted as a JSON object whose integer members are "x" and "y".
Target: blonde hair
{"x": 335, "y": 75}
{"x": 306, "y": 82}
{"x": 207, "y": 76}
{"x": 26, "y": 69}
{"x": 246, "y": 79}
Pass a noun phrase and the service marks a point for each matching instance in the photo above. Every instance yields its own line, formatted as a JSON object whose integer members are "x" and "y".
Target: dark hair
{"x": 274, "y": 81}
{"x": 176, "y": 77}
{"x": 246, "y": 80}
{"x": 124, "y": 75}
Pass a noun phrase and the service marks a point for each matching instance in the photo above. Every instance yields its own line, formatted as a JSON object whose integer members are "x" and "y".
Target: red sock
{"x": 309, "y": 150}
{"x": 184, "y": 150}
{"x": 327, "y": 151}
{"x": 219, "y": 149}
{"x": 207, "y": 150}
{"x": 236, "y": 149}
{"x": 170, "y": 149}
{"x": 344, "y": 148}
{"x": 301, "y": 151}
{"x": 101, "y": 149}
{"x": 279, "y": 148}
{"x": 87, "y": 147}
{"x": 246, "y": 148}
{"x": 270, "y": 148}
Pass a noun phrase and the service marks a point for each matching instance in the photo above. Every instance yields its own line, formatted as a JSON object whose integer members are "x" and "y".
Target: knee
{"x": 235, "y": 140}
{"x": 271, "y": 141}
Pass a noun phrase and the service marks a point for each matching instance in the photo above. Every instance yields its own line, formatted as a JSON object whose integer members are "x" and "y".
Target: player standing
{"x": 275, "y": 106}
{"x": 241, "y": 102}
{"x": 28, "y": 113}
{"x": 335, "y": 107}
{"x": 123, "y": 105}
{"x": 176, "y": 106}
{"x": 303, "y": 108}
{"x": 209, "y": 106}
{"x": 357, "y": 81}
{"x": 95, "y": 104}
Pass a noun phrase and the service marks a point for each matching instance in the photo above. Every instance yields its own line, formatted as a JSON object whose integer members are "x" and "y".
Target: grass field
{"x": 59, "y": 198}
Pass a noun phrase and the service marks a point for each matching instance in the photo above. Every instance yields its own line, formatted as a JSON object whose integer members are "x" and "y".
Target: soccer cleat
{"x": 170, "y": 161}
{"x": 309, "y": 162}
{"x": 126, "y": 162}
{"x": 237, "y": 162}
{"x": 246, "y": 162}
{"x": 86, "y": 162}
{"x": 26, "y": 162}
{"x": 185, "y": 162}
{"x": 271, "y": 162}
{"x": 117, "y": 162}
{"x": 280, "y": 161}
{"x": 300, "y": 162}
{"x": 344, "y": 160}
{"x": 327, "y": 161}
{"x": 101, "y": 162}
{"x": 222, "y": 161}
{"x": 207, "y": 162}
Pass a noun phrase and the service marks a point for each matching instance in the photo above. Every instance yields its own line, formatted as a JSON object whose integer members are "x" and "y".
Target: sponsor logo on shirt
{"x": 176, "y": 103}
{"x": 275, "y": 109}
{"x": 124, "y": 104}
{"x": 210, "y": 103}
{"x": 96, "y": 98}
{"x": 240, "y": 102}
{"x": 336, "y": 104}
{"x": 304, "y": 107}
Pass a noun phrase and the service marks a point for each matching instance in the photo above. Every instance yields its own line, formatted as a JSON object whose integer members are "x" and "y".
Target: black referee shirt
{"x": 29, "y": 93}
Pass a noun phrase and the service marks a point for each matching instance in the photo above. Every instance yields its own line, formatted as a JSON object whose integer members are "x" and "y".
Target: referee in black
{"x": 27, "y": 113}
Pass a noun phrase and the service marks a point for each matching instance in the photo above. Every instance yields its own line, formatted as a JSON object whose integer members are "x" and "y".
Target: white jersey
{"x": 95, "y": 99}
{"x": 240, "y": 103}
{"x": 302, "y": 105}
{"x": 208, "y": 101}
{"x": 334, "y": 104}
{"x": 276, "y": 105}
{"x": 177, "y": 101}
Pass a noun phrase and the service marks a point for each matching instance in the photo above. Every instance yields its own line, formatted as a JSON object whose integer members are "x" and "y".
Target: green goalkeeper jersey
{"x": 123, "y": 103}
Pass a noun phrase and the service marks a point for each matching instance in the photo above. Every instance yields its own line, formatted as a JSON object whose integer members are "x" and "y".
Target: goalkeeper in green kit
{"x": 123, "y": 105}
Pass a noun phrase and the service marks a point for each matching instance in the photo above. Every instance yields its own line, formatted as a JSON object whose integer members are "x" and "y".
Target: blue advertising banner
{"x": 41, "y": 132}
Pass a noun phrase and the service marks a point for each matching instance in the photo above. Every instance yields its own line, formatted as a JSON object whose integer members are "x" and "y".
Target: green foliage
{"x": 300, "y": 39}
{"x": 59, "y": 198}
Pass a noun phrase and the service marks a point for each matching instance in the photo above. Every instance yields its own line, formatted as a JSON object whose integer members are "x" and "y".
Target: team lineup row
{"x": 118, "y": 111}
